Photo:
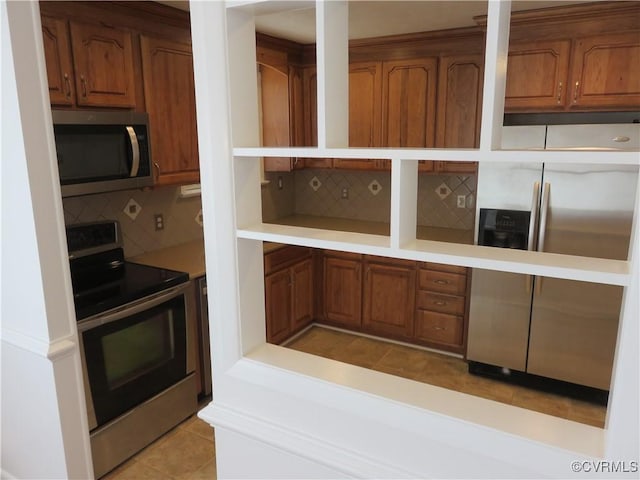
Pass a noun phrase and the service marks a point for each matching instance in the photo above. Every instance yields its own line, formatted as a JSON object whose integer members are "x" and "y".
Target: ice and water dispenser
{"x": 503, "y": 228}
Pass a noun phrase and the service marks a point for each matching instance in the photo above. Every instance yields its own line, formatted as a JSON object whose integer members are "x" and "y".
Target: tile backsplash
{"x": 136, "y": 211}
{"x": 321, "y": 192}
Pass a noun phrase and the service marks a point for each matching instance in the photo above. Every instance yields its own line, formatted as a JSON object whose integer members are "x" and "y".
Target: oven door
{"x": 134, "y": 352}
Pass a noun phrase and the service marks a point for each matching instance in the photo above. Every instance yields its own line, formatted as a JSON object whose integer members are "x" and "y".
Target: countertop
{"x": 186, "y": 257}
{"x": 439, "y": 234}
{"x": 189, "y": 257}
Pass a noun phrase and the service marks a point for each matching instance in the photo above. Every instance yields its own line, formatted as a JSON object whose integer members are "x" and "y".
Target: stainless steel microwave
{"x": 102, "y": 151}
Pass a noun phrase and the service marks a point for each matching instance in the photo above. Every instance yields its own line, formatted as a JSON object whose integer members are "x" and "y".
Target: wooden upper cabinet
{"x": 277, "y": 92}
{"x": 459, "y": 101}
{"x": 606, "y": 72}
{"x": 170, "y": 102}
{"x": 409, "y": 103}
{"x": 365, "y": 104}
{"x": 57, "y": 53}
{"x": 103, "y": 64}
{"x": 537, "y": 75}
{"x": 459, "y": 109}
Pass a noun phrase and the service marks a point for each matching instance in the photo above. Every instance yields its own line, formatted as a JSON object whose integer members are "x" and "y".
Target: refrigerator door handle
{"x": 533, "y": 220}
{"x": 544, "y": 211}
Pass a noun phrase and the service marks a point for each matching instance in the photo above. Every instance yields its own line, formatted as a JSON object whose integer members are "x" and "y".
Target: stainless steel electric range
{"x": 136, "y": 334}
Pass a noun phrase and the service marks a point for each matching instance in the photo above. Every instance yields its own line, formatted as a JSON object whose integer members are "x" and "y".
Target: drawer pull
{"x": 438, "y": 328}
{"x": 440, "y": 303}
{"x": 441, "y": 282}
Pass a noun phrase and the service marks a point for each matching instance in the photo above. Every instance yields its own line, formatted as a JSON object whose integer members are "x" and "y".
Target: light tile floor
{"x": 188, "y": 451}
{"x": 441, "y": 370}
{"x": 185, "y": 453}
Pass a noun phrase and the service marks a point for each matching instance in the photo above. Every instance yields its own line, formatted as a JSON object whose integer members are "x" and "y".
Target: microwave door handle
{"x": 135, "y": 149}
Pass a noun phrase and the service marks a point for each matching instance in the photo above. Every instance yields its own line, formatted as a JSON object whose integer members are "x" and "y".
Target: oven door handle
{"x": 131, "y": 308}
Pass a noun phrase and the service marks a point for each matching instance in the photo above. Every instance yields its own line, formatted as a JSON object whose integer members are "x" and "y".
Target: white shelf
{"x": 598, "y": 270}
{"x": 449, "y": 155}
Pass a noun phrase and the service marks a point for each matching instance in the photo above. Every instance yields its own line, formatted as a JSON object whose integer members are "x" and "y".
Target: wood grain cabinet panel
{"x": 409, "y": 103}
{"x": 170, "y": 102}
{"x": 103, "y": 64}
{"x": 389, "y": 300}
{"x": 439, "y": 328}
{"x": 278, "y": 306}
{"x": 365, "y": 104}
{"x": 57, "y": 53}
{"x": 459, "y": 111}
{"x": 301, "y": 294}
{"x": 441, "y": 306}
{"x": 537, "y": 75}
{"x": 606, "y": 72}
{"x": 289, "y": 298}
{"x": 343, "y": 291}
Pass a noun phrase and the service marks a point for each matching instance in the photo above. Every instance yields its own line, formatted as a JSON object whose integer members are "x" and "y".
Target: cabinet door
{"x": 278, "y": 306}
{"x": 409, "y": 103}
{"x": 459, "y": 108}
{"x": 537, "y": 76}
{"x": 57, "y": 54}
{"x": 606, "y": 72}
{"x": 296, "y": 110}
{"x": 274, "y": 101}
{"x": 302, "y": 294}
{"x": 170, "y": 102}
{"x": 365, "y": 102}
{"x": 103, "y": 61}
{"x": 310, "y": 102}
{"x": 343, "y": 291}
{"x": 389, "y": 293}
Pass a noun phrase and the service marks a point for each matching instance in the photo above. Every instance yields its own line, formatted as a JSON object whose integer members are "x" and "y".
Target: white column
{"x": 404, "y": 202}
{"x": 44, "y": 421}
{"x": 332, "y": 58}
{"x": 495, "y": 73}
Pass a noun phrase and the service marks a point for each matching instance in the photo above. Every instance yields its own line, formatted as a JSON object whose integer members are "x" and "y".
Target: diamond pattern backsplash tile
{"x": 319, "y": 192}
{"x": 436, "y": 208}
{"x": 181, "y": 216}
{"x": 368, "y": 194}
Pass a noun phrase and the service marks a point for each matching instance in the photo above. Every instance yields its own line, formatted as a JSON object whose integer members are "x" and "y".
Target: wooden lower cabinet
{"x": 342, "y": 287}
{"x": 288, "y": 292}
{"x": 421, "y": 303}
{"x": 442, "y": 303}
{"x": 388, "y": 306}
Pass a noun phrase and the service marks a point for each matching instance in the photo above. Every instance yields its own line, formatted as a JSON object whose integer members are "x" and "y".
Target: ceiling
{"x": 295, "y": 19}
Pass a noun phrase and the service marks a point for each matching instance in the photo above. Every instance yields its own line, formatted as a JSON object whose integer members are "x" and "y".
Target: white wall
{"x": 44, "y": 427}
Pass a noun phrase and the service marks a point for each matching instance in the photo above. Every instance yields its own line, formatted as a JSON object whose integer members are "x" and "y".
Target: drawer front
{"x": 444, "y": 268}
{"x": 451, "y": 283}
{"x": 438, "y": 302}
{"x": 283, "y": 257}
{"x": 439, "y": 328}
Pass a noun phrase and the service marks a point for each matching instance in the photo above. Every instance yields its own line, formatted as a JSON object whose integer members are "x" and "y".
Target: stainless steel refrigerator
{"x": 560, "y": 329}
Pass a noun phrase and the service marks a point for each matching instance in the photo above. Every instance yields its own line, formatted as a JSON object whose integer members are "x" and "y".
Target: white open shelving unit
{"x": 264, "y": 391}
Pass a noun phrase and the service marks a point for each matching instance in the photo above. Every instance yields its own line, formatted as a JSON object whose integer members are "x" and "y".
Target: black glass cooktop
{"x": 126, "y": 283}
{"x": 101, "y": 278}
